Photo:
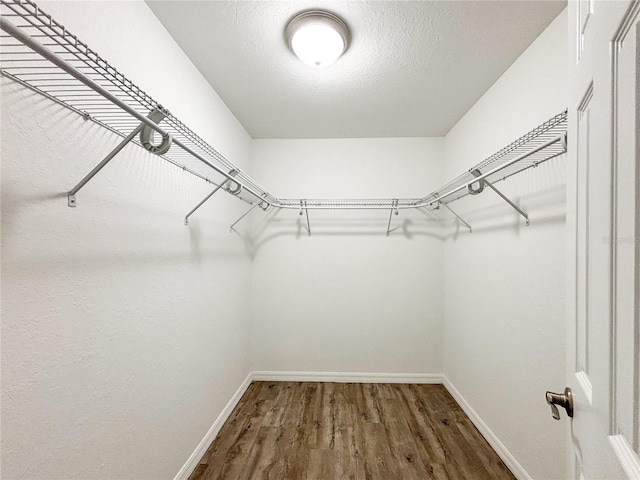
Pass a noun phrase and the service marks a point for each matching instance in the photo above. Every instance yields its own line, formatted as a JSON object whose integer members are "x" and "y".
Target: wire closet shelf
{"x": 39, "y": 53}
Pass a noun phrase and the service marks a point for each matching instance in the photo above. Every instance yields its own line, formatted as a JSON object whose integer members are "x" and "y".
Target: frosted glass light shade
{"x": 318, "y": 38}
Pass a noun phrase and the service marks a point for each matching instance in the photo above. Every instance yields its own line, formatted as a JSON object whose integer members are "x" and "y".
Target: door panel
{"x": 583, "y": 181}
{"x": 602, "y": 217}
{"x": 585, "y": 9}
{"x": 625, "y": 243}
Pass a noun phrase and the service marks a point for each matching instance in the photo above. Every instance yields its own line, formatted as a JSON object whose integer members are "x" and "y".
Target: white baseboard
{"x": 509, "y": 460}
{"x": 202, "y": 447}
{"x": 347, "y": 377}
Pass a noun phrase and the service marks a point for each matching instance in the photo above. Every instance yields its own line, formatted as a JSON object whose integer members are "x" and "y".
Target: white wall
{"x": 347, "y": 298}
{"x": 124, "y": 333}
{"x": 504, "y": 284}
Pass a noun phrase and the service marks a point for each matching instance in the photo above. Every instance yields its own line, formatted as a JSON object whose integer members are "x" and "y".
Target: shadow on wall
{"x": 160, "y": 194}
{"x": 540, "y": 192}
{"x": 131, "y": 213}
{"x": 279, "y": 223}
{"x": 490, "y": 214}
{"x": 441, "y": 226}
{"x": 546, "y": 207}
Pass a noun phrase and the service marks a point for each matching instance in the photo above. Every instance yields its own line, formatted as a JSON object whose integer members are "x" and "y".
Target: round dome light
{"x": 317, "y": 37}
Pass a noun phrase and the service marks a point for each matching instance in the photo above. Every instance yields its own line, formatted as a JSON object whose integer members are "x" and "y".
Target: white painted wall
{"x": 124, "y": 333}
{"x": 347, "y": 298}
{"x": 504, "y": 284}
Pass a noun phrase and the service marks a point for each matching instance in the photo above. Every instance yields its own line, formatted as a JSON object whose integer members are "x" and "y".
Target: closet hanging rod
{"x": 348, "y": 206}
{"x": 74, "y": 72}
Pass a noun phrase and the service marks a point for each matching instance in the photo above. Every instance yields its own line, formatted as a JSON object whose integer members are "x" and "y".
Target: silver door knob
{"x": 564, "y": 400}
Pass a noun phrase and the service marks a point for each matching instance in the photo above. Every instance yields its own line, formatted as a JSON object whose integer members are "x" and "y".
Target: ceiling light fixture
{"x": 317, "y": 37}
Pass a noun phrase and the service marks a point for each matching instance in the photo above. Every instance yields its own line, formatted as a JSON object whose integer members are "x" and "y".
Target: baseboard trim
{"x": 202, "y": 447}
{"x": 506, "y": 456}
{"x": 347, "y": 377}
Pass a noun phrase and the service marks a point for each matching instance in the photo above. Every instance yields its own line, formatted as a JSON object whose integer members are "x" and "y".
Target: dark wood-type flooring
{"x": 295, "y": 431}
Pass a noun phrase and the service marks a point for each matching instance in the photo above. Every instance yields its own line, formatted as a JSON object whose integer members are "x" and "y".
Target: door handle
{"x": 564, "y": 400}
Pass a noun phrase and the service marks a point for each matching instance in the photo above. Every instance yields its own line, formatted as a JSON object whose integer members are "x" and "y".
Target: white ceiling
{"x": 413, "y": 67}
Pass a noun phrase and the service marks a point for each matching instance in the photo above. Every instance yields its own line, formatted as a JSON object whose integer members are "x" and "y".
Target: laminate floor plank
{"x": 429, "y": 445}
{"x": 229, "y": 453}
{"x": 348, "y": 431}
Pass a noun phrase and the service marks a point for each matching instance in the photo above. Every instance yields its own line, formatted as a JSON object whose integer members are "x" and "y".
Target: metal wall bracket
{"x": 233, "y": 187}
{"x": 457, "y": 216}
{"x": 481, "y": 183}
{"x": 303, "y": 206}
{"x": 146, "y": 135}
{"x": 186, "y": 218}
{"x": 265, "y": 206}
{"x": 504, "y": 197}
{"x": 156, "y": 115}
{"x": 244, "y": 215}
{"x": 256, "y": 204}
{"x": 394, "y": 209}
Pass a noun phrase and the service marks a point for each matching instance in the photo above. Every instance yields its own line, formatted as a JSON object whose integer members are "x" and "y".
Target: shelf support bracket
{"x": 506, "y": 199}
{"x": 394, "y": 209}
{"x": 481, "y": 183}
{"x": 303, "y": 206}
{"x": 186, "y": 218}
{"x": 258, "y": 202}
{"x": 484, "y": 182}
{"x": 156, "y": 115}
{"x": 457, "y": 216}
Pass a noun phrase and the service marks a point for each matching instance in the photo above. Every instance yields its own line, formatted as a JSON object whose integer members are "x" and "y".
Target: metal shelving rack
{"x": 40, "y": 54}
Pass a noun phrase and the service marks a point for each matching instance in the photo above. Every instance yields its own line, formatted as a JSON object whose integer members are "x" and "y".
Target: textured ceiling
{"x": 413, "y": 67}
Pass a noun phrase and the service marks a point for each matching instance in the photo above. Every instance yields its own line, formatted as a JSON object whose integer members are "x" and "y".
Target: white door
{"x": 603, "y": 298}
